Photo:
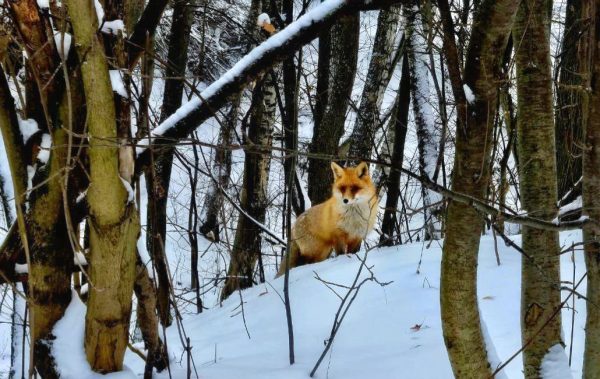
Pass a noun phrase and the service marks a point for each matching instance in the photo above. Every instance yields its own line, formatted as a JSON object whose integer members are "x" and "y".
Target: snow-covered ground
{"x": 389, "y": 332}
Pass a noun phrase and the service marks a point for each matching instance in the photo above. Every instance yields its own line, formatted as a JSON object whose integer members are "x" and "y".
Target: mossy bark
{"x": 114, "y": 223}
{"x": 540, "y": 275}
{"x": 460, "y": 314}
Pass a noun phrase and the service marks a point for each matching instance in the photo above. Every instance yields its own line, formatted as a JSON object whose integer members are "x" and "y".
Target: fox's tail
{"x": 294, "y": 255}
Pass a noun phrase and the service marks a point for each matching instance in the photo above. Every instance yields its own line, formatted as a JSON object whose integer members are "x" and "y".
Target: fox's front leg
{"x": 353, "y": 246}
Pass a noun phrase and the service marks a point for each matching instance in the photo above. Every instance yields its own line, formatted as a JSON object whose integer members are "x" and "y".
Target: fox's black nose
{"x": 345, "y": 201}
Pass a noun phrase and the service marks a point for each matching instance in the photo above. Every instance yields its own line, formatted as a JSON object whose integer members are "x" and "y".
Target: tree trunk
{"x": 148, "y": 321}
{"x": 159, "y": 179}
{"x": 113, "y": 220}
{"x": 290, "y": 117}
{"x": 540, "y": 278}
{"x": 428, "y": 136}
{"x": 590, "y": 63}
{"x": 221, "y": 169}
{"x": 399, "y": 122}
{"x": 246, "y": 249}
{"x": 338, "y": 54}
{"x": 460, "y": 313}
{"x": 569, "y": 93}
{"x": 362, "y": 139}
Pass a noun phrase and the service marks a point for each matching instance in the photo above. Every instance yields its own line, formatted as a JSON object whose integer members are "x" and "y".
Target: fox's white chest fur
{"x": 356, "y": 220}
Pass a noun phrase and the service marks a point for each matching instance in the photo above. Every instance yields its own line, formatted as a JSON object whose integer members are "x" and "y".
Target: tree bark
{"x": 338, "y": 54}
{"x": 460, "y": 314}
{"x": 147, "y": 319}
{"x": 540, "y": 275}
{"x": 428, "y": 136}
{"x": 246, "y": 249}
{"x": 569, "y": 97}
{"x": 362, "y": 139}
{"x": 113, "y": 221}
{"x": 159, "y": 179}
{"x": 589, "y": 61}
{"x": 389, "y": 224}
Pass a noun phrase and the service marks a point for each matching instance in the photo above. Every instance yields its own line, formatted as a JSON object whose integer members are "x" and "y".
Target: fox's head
{"x": 352, "y": 185}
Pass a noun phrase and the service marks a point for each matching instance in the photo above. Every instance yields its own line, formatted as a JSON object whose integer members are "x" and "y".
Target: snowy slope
{"x": 390, "y": 332}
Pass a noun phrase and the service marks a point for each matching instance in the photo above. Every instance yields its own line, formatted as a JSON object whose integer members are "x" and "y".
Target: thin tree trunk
{"x": 221, "y": 169}
{"x": 338, "y": 54}
{"x": 246, "y": 249}
{"x": 147, "y": 319}
{"x": 399, "y": 121}
{"x": 290, "y": 118}
{"x": 569, "y": 93}
{"x": 590, "y": 63}
{"x": 159, "y": 179}
{"x": 427, "y": 135}
{"x": 540, "y": 276}
{"x": 460, "y": 313}
{"x": 362, "y": 139}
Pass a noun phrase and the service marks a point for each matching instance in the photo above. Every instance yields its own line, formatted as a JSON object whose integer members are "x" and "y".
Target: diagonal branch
{"x": 146, "y": 26}
{"x": 256, "y": 63}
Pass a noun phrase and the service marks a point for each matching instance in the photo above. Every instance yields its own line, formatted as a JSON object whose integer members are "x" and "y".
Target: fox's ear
{"x": 362, "y": 170}
{"x": 338, "y": 172}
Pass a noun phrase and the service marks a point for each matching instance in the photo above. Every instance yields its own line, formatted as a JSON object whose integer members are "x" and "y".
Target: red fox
{"x": 340, "y": 223}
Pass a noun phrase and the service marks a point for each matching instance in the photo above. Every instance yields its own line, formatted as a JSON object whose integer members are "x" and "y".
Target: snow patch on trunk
{"x": 117, "y": 83}
{"x": 555, "y": 364}
{"x": 63, "y": 44}
{"x": 28, "y": 127}
{"x": 45, "y": 146}
{"x": 469, "y": 94}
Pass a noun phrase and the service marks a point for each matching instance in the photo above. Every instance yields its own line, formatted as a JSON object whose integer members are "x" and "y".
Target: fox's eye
{"x": 354, "y": 189}
{"x": 342, "y": 189}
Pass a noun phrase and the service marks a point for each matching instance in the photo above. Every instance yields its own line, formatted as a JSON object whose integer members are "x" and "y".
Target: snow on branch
{"x": 258, "y": 61}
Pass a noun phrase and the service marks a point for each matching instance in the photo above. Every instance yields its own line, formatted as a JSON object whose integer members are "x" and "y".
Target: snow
{"x": 79, "y": 259}
{"x": 317, "y": 13}
{"x": 130, "y": 192}
{"x": 262, "y": 19}
{"x": 117, "y": 83}
{"x": 45, "y": 146}
{"x": 556, "y": 364}
{"x": 60, "y": 39}
{"x": 469, "y": 94}
{"x": 30, "y": 174}
{"x": 68, "y": 349}
{"x": 389, "y": 332}
{"x": 572, "y": 206}
{"x": 7, "y": 183}
{"x": 99, "y": 11}
{"x": 114, "y": 27}
{"x": 28, "y": 127}
{"x": 110, "y": 27}
{"x": 21, "y": 268}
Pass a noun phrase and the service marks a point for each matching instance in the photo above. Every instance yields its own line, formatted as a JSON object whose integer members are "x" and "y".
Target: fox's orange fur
{"x": 340, "y": 223}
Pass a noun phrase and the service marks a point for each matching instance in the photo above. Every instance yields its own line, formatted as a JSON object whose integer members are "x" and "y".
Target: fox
{"x": 340, "y": 223}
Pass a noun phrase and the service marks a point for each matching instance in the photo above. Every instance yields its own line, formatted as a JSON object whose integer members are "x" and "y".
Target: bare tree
{"x": 475, "y": 114}
{"x": 338, "y": 54}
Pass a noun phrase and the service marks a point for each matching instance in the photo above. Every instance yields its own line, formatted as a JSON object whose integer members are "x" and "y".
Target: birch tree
{"x": 428, "y": 136}
{"x": 246, "y": 251}
{"x": 383, "y": 54}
